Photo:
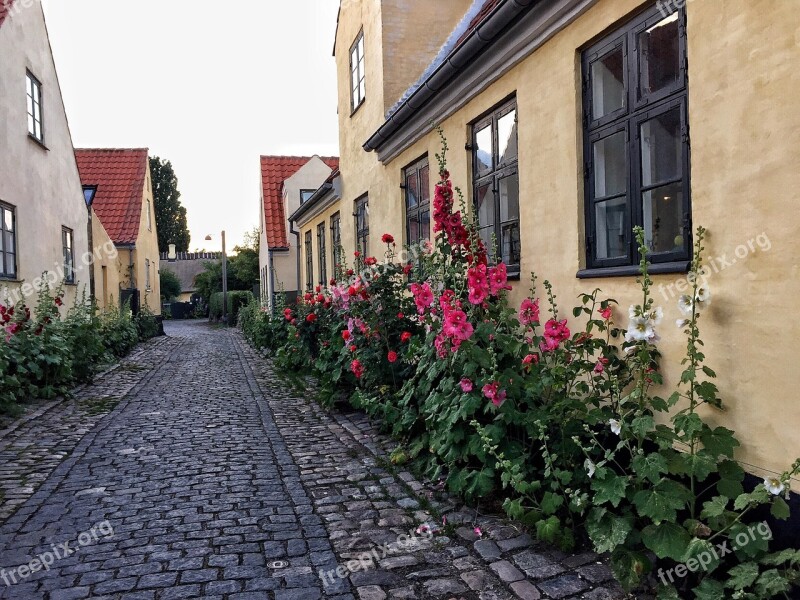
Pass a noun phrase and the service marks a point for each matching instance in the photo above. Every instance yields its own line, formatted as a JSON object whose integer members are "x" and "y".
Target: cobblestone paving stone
{"x": 219, "y": 481}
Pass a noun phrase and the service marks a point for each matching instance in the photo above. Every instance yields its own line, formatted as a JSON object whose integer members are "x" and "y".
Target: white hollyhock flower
{"x": 686, "y": 305}
{"x": 657, "y": 316}
{"x": 633, "y": 310}
{"x": 774, "y": 486}
{"x": 681, "y": 323}
{"x": 703, "y": 295}
{"x": 590, "y": 467}
{"x": 640, "y": 329}
{"x": 616, "y": 426}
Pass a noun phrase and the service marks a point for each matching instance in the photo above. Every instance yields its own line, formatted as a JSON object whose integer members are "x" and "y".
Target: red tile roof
{"x": 119, "y": 175}
{"x": 5, "y": 8}
{"x": 485, "y": 11}
{"x": 274, "y": 171}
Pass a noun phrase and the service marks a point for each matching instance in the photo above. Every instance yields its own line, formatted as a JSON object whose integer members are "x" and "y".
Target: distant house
{"x": 286, "y": 183}
{"x": 186, "y": 267}
{"x": 124, "y": 205}
{"x": 43, "y": 215}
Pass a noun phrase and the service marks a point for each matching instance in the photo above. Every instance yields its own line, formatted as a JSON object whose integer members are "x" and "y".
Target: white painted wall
{"x": 41, "y": 182}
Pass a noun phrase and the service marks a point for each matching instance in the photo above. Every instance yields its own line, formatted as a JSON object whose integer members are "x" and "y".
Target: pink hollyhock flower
{"x": 392, "y": 356}
{"x": 357, "y": 368}
{"x": 605, "y": 313}
{"x": 466, "y": 385}
{"x": 529, "y": 311}
{"x": 555, "y": 332}
{"x": 493, "y": 392}
{"x": 353, "y": 348}
{"x": 387, "y": 238}
{"x": 549, "y": 344}
{"x": 457, "y": 326}
{"x": 478, "y": 283}
{"x": 498, "y": 279}
{"x": 531, "y": 359}
{"x": 423, "y": 296}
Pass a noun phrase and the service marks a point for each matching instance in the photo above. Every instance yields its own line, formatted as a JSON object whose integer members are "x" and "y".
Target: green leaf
{"x": 701, "y": 464}
{"x": 780, "y": 558}
{"x": 749, "y": 541}
{"x": 607, "y": 531}
{"x": 709, "y": 589}
{"x": 667, "y": 540}
{"x": 742, "y": 501}
{"x": 547, "y": 530}
{"x": 628, "y": 567}
{"x": 714, "y": 507}
{"x": 719, "y": 441}
{"x": 704, "y": 553}
{"x": 650, "y": 466}
{"x": 688, "y": 424}
{"x": 667, "y": 592}
{"x": 642, "y": 425}
{"x": 742, "y": 576}
{"x": 551, "y": 503}
{"x": 662, "y": 502}
{"x": 771, "y": 583}
{"x": 609, "y": 489}
{"x": 780, "y": 510}
{"x": 730, "y": 488}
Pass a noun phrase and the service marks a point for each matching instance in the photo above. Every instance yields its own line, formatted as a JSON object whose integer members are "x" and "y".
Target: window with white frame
{"x": 358, "y": 85}
{"x": 8, "y": 241}
{"x": 68, "y": 246}
{"x": 34, "y": 93}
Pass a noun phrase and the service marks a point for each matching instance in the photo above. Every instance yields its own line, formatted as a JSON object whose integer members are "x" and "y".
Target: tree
{"x": 170, "y": 285}
{"x": 243, "y": 269}
{"x": 170, "y": 214}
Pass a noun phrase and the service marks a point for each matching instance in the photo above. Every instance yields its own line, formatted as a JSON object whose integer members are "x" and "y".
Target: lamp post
{"x": 224, "y": 279}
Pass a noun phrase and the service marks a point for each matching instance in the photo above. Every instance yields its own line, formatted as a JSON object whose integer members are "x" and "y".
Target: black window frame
{"x": 68, "y": 249}
{"x": 423, "y": 201}
{"x": 357, "y": 97}
{"x": 303, "y": 193}
{"x": 322, "y": 260}
{"x": 636, "y": 110}
{"x": 309, "y": 250}
{"x": 492, "y": 176}
{"x": 33, "y": 91}
{"x": 336, "y": 244}
{"x": 361, "y": 215}
{"x": 7, "y": 208}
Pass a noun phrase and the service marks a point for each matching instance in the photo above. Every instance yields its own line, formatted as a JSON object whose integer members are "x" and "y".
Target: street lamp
{"x": 224, "y": 279}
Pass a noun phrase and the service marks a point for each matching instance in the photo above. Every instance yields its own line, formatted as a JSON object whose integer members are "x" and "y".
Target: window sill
{"x": 360, "y": 104}
{"x": 38, "y": 142}
{"x": 71, "y": 284}
{"x": 632, "y": 271}
{"x": 5, "y": 279}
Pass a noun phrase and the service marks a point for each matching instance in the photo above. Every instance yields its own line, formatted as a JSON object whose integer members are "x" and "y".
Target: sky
{"x": 210, "y": 86}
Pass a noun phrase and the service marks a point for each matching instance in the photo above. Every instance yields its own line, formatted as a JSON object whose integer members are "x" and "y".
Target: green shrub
{"x": 236, "y": 300}
{"x": 84, "y": 335}
{"x": 118, "y": 331}
{"x": 146, "y": 324}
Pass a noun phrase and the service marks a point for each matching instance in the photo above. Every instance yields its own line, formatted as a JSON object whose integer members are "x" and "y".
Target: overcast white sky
{"x": 207, "y": 85}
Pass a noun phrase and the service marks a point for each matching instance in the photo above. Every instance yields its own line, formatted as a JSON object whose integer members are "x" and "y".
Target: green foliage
{"x": 236, "y": 300}
{"x": 146, "y": 324}
{"x": 44, "y": 352}
{"x": 170, "y": 285}
{"x": 171, "y": 224}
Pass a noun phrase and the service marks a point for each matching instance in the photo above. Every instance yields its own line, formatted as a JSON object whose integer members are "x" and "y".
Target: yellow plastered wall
{"x": 147, "y": 250}
{"x": 744, "y": 114}
{"x": 107, "y": 267}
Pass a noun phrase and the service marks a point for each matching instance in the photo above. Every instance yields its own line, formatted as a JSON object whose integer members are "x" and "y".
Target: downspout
{"x": 296, "y": 234}
{"x": 91, "y": 250}
{"x": 271, "y": 281}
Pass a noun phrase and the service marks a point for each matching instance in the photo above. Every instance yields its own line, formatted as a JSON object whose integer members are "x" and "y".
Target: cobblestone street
{"x": 192, "y": 470}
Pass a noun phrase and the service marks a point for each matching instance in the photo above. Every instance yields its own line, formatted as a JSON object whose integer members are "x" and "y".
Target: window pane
{"x": 608, "y": 84}
{"x": 663, "y": 218}
{"x": 425, "y": 184}
{"x": 661, "y": 148}
{"x": 413, "y": 229}
{"x": 507, "y": 136}
{"x": 509, "y": 198}
{"x": 362, "y": 90}
{"x": 9, "y": 220}
{"x": 610, "y": 218}
{"x": 484, "y": 204}
{"x": 412, "y": 191}
{"x": 484, "y": 154}
{"x": 10, "y": 270}
{"x": 425, "y": 225}
{"x": 610, "y": 168}
{"x": 31, "y": 126}
{"x": 659, "y": 56}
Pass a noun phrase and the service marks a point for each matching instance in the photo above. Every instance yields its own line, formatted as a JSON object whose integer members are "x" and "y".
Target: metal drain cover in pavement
{"x": 278, "y": 564}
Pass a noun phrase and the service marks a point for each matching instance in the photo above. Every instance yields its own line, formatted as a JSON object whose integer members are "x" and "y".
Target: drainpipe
{"x": 296, "y": 234}
{"x": 271, "y": 281}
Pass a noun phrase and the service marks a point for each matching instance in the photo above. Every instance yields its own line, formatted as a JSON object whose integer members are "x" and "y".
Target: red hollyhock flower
{"x": 350, "y": 272}
{"x": 59, "y": 302}
{"x": 357, "y": 254}
{"x": 345, "y": 335}
{"x": 287, "y": 313}
{"x": 311, "y": 318}
{"x": 407, "y": 269}
{"x": 371, "y": 261}
{"x": 405, "y": 336}
{"x": 605, "y": 313}
{"x": 353, "y": 348}
{"x": 332, "y": 281}
{"x": 387, "y": 238}
{"x": 357, "y": 368}
{"x": 392, "y": 356}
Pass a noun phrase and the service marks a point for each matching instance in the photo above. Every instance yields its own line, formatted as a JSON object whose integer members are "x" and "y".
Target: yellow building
{"x": 571, "y": 121}
{"x": 123, "y": 203}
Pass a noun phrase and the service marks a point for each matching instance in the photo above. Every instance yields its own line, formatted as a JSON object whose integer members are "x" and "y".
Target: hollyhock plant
{"x": 405, "y": 336}
{"x": 529, "y": 312}
{"x": 466, "y": 385}
{"x": 357, "y": 368}
{"x": 498, "y": 279}
{"x": 423, "y": 296}
{"x": 387, "y": 238}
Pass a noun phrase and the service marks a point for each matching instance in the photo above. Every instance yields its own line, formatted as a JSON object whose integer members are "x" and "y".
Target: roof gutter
{"x": 475, "y": 43}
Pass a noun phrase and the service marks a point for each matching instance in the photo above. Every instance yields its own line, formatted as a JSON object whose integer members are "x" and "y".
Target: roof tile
{"x": 119, "y": 175}
{"x": 274, "y": 171}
